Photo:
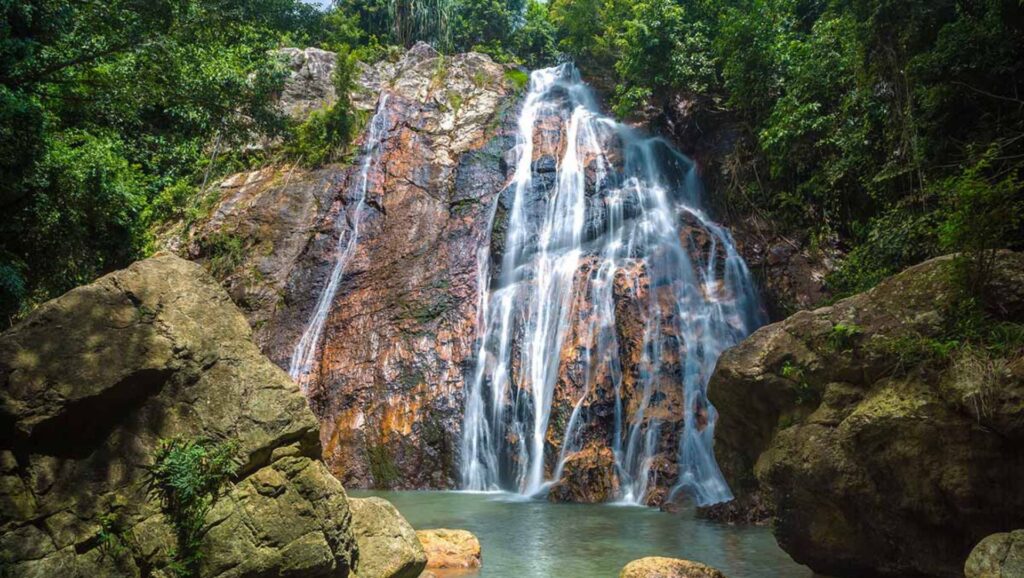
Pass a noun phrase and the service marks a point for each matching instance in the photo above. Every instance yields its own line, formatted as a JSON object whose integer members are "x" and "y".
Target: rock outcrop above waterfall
{"x": 92, "y": 380}
{"x": 310, "y": 82}
{"x": 997, "y": 556}
{"x": 880, "y": 455}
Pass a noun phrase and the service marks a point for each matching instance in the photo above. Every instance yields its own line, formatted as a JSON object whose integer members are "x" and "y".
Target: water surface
{"x": 535, "y": 539}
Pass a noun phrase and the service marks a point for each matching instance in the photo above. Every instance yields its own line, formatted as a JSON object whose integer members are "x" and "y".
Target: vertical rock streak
{"x": 602, "y": 224}
{"x": 301, "y": 364}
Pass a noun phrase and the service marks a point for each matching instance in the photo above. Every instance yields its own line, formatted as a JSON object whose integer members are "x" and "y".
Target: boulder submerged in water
{"x": 878, "y": 454}
{"x": 660, "y": 567}
{"x": 450, "y": 548}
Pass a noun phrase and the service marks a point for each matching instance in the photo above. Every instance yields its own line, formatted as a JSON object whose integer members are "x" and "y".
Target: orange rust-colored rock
{"x": 450, "y": 548}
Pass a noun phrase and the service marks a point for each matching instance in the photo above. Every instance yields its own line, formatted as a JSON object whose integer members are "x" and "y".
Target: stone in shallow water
{"x": 387, "y": 544}
{"x": 450, "y": 548}
{"x": 588, "y": 478}
{"x": 997, "y": 556}
{"x": 659, "y": 567}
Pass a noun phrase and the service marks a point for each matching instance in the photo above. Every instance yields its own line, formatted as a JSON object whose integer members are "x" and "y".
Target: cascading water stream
{"x": 305, "y": 350}
{"x": 610, "y": 220}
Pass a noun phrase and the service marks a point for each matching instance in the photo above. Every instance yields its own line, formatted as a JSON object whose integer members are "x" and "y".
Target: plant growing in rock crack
{"x": 843, "y": 336}
{"x": 187, "y": 476}
{"x": 805, "y": 393}
{"x": 113, "y": 535}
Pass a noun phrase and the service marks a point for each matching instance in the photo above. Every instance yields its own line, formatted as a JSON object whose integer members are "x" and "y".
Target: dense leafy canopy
{"x": 886, "y": 128}
{"x": 869, "y": 122}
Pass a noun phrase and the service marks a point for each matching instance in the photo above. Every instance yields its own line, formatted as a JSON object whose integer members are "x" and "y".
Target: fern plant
{"x": 187, "y": 476}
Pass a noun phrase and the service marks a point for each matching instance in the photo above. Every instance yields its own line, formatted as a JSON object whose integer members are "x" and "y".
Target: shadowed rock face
{"x": 790, "y": 271}
{"x": 94, "y": 379}
{"x": 878, "y": 459}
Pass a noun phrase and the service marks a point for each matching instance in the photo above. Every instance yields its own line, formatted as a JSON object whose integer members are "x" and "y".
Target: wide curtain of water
{"x": 598, "y": 213}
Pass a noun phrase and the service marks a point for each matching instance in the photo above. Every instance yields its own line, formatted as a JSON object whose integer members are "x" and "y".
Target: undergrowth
{"x": 187, "y": 477}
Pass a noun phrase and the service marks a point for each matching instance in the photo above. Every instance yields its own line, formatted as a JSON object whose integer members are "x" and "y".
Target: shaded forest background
{"x": 888, "y": 131}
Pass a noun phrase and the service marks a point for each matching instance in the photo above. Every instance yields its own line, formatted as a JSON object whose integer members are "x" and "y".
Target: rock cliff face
{"x": 398, "y": 345}
{"x": 92, "y": 380}
{"x": 397, "y": 342}
{"x": 880, "y": 455}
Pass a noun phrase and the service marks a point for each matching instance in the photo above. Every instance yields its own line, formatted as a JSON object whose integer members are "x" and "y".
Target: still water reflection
{"x": 534, "y": 539}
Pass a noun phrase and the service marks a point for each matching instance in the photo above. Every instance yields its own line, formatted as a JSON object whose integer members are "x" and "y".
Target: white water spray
{"x": 612, "y": 214}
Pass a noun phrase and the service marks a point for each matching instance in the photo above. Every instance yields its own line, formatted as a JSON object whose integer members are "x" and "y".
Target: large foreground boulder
{"x": 883, "y": 449}
{"x": 94, "y": 379}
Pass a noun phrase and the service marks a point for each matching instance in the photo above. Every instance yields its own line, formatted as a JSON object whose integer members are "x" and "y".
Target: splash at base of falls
{"x": 603, "y": 316}
{"x": 302, "y": 360}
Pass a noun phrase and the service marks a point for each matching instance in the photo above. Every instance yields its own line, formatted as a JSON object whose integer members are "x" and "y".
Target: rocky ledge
{"x": 93, "y": 380}
{"x": 879, "y": 451}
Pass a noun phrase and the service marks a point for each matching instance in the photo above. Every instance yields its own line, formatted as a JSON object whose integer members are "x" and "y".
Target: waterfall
{"x": 305, "y": 350}
{"x": 597, "y": 213}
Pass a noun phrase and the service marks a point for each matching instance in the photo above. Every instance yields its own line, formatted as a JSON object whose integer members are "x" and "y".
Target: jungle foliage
{"x": 890, "y": 130}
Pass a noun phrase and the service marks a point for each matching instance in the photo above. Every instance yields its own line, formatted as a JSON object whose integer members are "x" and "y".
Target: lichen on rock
{"x": 387, "y": 544}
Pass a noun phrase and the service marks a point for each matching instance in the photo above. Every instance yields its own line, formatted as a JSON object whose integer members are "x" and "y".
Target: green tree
{"x": 534, "y": 41}
{"x": 103, "y": 105}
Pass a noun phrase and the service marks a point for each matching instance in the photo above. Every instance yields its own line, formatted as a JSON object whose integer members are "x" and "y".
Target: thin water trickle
{"x": 611, "y": 215}
{"x": 303, "y": 356}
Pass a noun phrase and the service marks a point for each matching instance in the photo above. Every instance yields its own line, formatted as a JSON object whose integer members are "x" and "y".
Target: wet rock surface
{"x": 400, "y": 341}
{"x": 387, "y": 382}
{"x": 790, "y": 269}
{"x": 94, "y": 379}
{"x": 877, "y": 457}
{"x": 588, "y": 477}
{"x": 659, "y": 567}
